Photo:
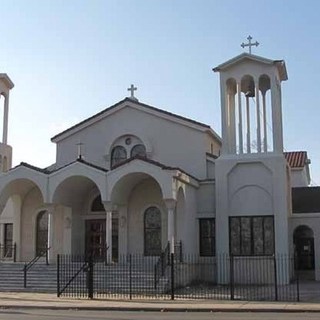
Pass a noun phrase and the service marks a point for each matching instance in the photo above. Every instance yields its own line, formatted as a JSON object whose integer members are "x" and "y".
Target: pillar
{"x": 240, "y": 118}
{"x": 265, "y": 137}
{"x": 50, "y": 235}
{"x": 171, "y": 205}
{"x": 258, "y": 117}
{"x": 248, "y": 125}
{"x": 276, "y": 116}
{"x": 5, "y": 120}
{"x": 109, "y": 208}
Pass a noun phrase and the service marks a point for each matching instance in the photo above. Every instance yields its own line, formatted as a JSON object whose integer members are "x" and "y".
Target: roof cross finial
{"x": 132, "y": 89}
{"x": 80, "y": 144}
{"x": 250, "y": 44}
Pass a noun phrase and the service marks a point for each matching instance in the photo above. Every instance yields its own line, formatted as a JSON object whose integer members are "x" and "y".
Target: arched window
{"x": 152, "y": 232}
{"x": 138, "y": 150}
{"x": 97, "y": 205}
{"x": 42, "y": 232}
{"x": 118, "y": 155}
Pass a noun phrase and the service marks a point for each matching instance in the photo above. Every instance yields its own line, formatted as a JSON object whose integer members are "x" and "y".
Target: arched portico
{"x": 77, "y": 227}
{"x": 20, "y": 199}
{"x": 142, "y": 197}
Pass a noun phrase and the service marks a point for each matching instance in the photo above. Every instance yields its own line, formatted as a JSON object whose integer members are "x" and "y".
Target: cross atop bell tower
{"x": 5, "y": 150}
{"x": 249, "y": 44}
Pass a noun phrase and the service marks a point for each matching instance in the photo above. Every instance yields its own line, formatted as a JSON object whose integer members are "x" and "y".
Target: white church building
{"x": 133, "y": 178}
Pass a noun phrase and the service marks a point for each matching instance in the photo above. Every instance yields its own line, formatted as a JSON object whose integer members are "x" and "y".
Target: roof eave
{"x": 6, "y": 79}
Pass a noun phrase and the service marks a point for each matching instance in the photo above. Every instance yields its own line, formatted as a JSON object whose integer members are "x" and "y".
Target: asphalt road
{"x": 17, "y": 314}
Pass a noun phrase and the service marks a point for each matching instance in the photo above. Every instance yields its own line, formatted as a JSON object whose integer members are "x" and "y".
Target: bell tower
{"x": 252, "y": 175}
{"x": 5, "y": 150}
{"x": 251, "y": 104}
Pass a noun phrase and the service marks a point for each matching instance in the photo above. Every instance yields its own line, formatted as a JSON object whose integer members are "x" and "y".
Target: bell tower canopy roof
{"x": 6, "y": 80}
{"x": 280, "y": 64}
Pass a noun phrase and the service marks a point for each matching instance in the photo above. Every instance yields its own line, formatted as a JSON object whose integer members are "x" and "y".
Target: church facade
{"x": 136, "y": 179}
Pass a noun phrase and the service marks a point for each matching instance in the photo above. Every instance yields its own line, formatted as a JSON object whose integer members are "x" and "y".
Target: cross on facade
{"x": 80, "y": 144}
{"x": 250, "y": 44}
{"x": 132, "y": 89}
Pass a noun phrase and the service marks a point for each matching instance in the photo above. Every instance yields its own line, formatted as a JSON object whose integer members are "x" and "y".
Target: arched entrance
{"x": 41, "y": 232}
{"x": 303, "y": 240}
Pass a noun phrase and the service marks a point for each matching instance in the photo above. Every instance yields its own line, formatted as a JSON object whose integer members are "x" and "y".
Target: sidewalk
{"x": 50, "y": 301}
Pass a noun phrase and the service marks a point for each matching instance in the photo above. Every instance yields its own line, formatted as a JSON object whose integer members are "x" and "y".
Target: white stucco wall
{"x": 299, "y": 178}
{"x": 172, "y": 144}
{"x": 32, "y": 205}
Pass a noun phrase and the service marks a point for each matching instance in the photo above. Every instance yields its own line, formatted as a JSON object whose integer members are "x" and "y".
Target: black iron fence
{"x": 269, "y": 278}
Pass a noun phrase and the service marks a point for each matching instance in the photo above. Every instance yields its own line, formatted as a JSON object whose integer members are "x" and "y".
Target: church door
{"x": 42, "y": 232}
{"x": 304, "y": 248}
{"x": 96, "y": 238}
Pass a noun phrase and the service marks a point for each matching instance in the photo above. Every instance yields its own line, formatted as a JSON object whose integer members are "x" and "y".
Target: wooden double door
{"x": 96, "y": 238}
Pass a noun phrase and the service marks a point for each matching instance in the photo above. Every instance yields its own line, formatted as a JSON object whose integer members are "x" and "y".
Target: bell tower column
{"x": 5, "y": 150}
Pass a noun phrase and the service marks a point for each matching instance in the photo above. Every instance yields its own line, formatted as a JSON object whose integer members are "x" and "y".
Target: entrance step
{"x": 40, "y": 278}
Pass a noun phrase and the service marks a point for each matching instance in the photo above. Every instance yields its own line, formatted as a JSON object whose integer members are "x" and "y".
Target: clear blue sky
{"x": 70, "y": 59}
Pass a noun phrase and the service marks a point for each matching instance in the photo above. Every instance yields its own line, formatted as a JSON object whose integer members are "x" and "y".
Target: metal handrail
{"x": 28, "y": 266}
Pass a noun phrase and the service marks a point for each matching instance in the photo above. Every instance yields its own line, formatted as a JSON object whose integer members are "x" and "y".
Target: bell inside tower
{"x": 249, "y": 118}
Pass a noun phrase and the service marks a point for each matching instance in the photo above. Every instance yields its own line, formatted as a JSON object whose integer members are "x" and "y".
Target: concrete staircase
{"x": 40, "y": 278}
{"x": 113, "y": 278}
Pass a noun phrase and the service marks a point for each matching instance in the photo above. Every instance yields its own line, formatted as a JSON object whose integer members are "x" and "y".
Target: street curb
{"x": 159, "y": 309}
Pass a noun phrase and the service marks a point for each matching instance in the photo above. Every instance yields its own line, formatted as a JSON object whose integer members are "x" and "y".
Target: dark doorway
{"x": 303, "y": 240}
{"x": 42, "y": 232}
{"x": 96, "y": 239}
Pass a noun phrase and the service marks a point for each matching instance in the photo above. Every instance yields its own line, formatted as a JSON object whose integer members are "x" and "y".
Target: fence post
{"x": 90, "y": 277}
{"x": 275, "y": 277}
{"x": 47, "y": 260}
{"x": 231, "y": 276}
{"x": 58, "y": 275}
{"x": 25, "y": 275}
{"x": 14, "y": 252}
{"x": 130, "y": 275}
{"x": 172, "y": 276}
{"x": 298, "y": 286}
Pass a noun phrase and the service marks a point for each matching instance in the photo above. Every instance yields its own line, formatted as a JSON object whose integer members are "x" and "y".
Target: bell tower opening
{"x": 251, "y": 104}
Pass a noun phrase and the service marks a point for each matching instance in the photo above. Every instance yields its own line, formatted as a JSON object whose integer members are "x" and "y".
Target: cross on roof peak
{"x": 250, "y": 44}
{"x": 132, "y": 89}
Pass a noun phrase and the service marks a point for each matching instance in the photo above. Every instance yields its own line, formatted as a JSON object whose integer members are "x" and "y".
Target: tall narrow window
{"x": 251, "y": 235}
{"x": 152, "y": 232}
{"x": 118, "y": 155}
{"x": 8, "y": 240}
{"x": 138, "y": 150}
{"x": 207, "y": 237}
{"x": 42, "y": 232}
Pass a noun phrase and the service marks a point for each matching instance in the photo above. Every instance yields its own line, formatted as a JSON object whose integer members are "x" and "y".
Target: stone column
{"x": 50, "y": 235}
{"x": 171, "y": 204}
{"x": 5, "y": 119}
{"x": 108, "y": 207}
{"x": 240, "y": 118}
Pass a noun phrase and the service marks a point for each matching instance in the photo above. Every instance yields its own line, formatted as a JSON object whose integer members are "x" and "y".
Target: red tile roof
{"x": 297, "y": 159}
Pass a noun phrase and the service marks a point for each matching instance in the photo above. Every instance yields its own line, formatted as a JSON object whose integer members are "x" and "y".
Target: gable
{"x": 144, "y": 108}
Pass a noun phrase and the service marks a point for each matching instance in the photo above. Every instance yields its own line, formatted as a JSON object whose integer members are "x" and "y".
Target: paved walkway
{"x": 50, "y": 301}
